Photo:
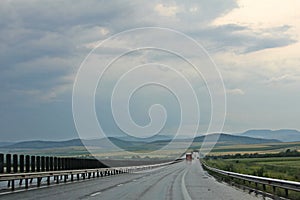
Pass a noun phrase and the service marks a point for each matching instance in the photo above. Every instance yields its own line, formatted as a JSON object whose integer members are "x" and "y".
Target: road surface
{"x": 184, "y": 180}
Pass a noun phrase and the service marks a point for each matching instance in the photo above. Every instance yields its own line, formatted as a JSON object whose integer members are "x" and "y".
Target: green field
{"x": 254, "y": 148}
{"x": 281, "y": 168}
{"x": 285, "y": 168}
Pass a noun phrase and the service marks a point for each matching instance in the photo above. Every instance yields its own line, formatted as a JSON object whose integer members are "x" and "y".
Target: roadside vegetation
{"x": 282, "y": 165}
{"x": 267, "y": 148}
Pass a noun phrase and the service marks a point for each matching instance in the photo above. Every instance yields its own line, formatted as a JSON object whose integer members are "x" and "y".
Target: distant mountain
{"x": 149, "y": 139}
{"x": 104, "y": 143}
{"x": 37, "y": 144}
{"x": 285, "y": 135}
{"x": 150, "y": 143}
{"x": 5, "y": 143}
{"x": 234, "y": 139}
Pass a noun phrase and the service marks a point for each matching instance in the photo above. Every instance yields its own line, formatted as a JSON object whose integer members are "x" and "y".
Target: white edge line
{"x": 95, "y": 194}
{"x": 185, "y": 193}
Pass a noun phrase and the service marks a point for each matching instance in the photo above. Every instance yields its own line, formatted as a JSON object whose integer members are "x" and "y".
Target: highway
{"x": 184, "y": 180}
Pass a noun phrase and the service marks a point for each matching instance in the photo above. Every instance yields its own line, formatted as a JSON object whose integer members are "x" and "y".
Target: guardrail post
{"x": 21, "y": 157}
{"x": 27, "y": 164}
{"x": 26, "y": 183}
{"x": 12, "y": 184}
{"x": 38, "y": 163}
{"x": 286, "y": 192}
{"x": 1, "y": 163}
{"x": 39, "y": 180}
{"x": 65, "y": 178}
{"x": 57, "y": 179}
{"x": 43, "y": 163}
{"x": 8, "y": 163}
{"x": 32, "y": 163}
{"x": 15, "y": 163}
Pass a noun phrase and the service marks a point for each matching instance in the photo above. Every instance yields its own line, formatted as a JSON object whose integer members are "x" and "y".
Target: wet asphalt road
{"x": 184, "y": 180}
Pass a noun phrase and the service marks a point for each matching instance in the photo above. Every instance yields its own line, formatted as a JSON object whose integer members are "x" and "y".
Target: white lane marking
{"x": 95, "y": 194}
{"x": 185, "y": 193}
{"x": 149, "y": 170}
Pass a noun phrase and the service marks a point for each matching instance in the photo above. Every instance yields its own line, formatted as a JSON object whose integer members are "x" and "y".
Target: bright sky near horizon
{"x": 255, "y": 45}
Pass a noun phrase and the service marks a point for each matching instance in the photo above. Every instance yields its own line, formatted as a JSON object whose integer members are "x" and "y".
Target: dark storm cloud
{"x": 42, "y": 44}
{"x": 241, "y": 39}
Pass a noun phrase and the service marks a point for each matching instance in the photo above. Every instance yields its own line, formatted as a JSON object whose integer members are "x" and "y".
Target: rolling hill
{"x": 235, "y": 139}
{"x": 38, "y": 144}
{"x": 224, "y": 139}
{"x": 285, "y": 135}
{"x": 5, "y": 143}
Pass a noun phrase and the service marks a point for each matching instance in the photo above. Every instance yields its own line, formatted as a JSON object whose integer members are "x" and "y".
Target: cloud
{"x": 242, "y": 39}
{"x": 235, "y": 91}
{"x": 43, "y": 43}
{"x": 285, "y": 79}
{"x": 262, "y": 42}
{"x": 167, "y": 11}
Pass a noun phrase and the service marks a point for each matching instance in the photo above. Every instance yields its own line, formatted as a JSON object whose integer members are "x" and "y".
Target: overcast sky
{"x": 255, "y": 45}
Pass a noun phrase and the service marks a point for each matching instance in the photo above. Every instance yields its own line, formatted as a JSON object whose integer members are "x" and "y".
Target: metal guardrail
{"x": 65, "y": 174}
{"x": 284, "y": 184}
